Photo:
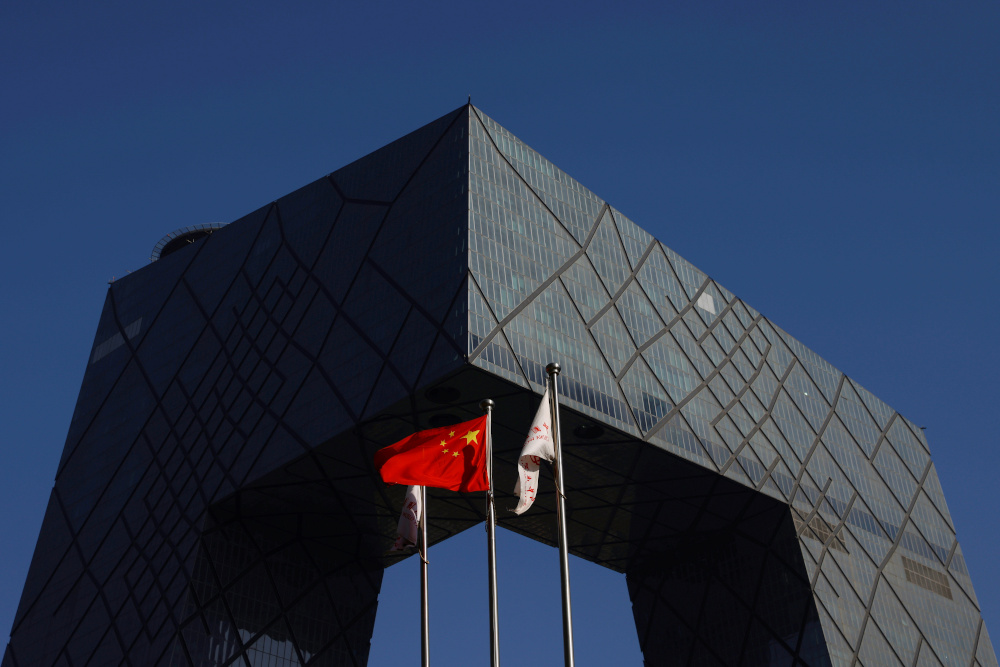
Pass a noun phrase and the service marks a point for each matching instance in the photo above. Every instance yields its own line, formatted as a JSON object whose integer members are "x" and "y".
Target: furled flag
{"x": 537, "y": 446}
{"x": 450, "y": 457}
{"x": 409, "y": 519}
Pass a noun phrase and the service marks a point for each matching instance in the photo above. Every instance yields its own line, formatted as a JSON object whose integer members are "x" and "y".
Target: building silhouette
{"x": 216, "y": 502}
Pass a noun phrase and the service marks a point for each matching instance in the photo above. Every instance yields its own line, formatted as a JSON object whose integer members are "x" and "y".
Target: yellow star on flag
{"x": 434, "y": 458}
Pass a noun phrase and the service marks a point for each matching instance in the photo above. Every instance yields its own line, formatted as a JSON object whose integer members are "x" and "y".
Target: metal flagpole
{"x": 425, "y": 633}
{"x": 491, "y": 535}
{"x": 553, "y": 371}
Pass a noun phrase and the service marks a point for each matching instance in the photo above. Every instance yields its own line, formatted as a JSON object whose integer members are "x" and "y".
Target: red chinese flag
{"x": 451, "y": 457}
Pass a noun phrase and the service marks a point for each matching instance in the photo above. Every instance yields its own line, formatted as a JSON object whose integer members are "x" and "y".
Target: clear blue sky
{"x": 836, "y": 165}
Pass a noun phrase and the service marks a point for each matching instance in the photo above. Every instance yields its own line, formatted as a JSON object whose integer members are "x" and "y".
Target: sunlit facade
{"x": 215, "y": 503}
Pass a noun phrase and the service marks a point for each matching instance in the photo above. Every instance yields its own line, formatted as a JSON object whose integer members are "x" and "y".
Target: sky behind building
{"x": 836, "y": 167}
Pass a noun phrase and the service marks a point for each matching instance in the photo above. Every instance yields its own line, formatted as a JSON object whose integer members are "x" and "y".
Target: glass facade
{"x": 654, "y": 348}
{"x": 215, "y": 503}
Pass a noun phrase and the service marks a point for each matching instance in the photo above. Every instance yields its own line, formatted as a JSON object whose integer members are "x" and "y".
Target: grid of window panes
{"x": 655, "y": 347}
{"x": 515, "y": 246}
{"x": 226, "y": 360}
{"x": 218, "y": 366}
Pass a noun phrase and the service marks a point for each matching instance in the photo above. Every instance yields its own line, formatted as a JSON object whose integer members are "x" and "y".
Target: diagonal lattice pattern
{"x": 215, "y": 502}
{"x": 655, "y": 348}
{"x": 165, "y": 540}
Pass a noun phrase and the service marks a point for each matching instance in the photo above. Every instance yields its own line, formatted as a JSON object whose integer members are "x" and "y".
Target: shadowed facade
{"x": 216, "y": 503}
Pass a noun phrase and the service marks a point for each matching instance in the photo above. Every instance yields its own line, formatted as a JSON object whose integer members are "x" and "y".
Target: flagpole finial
{"x": 486, "y": 405}
{"x": 553, "y": 368}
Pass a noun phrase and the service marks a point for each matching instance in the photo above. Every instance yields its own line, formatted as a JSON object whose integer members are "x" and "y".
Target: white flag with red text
{"x": 409, "y": 519}
{"x": 537, "y": 446}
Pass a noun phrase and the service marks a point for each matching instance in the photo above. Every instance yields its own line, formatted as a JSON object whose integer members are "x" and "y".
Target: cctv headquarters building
{"x": 216, "y": 501}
